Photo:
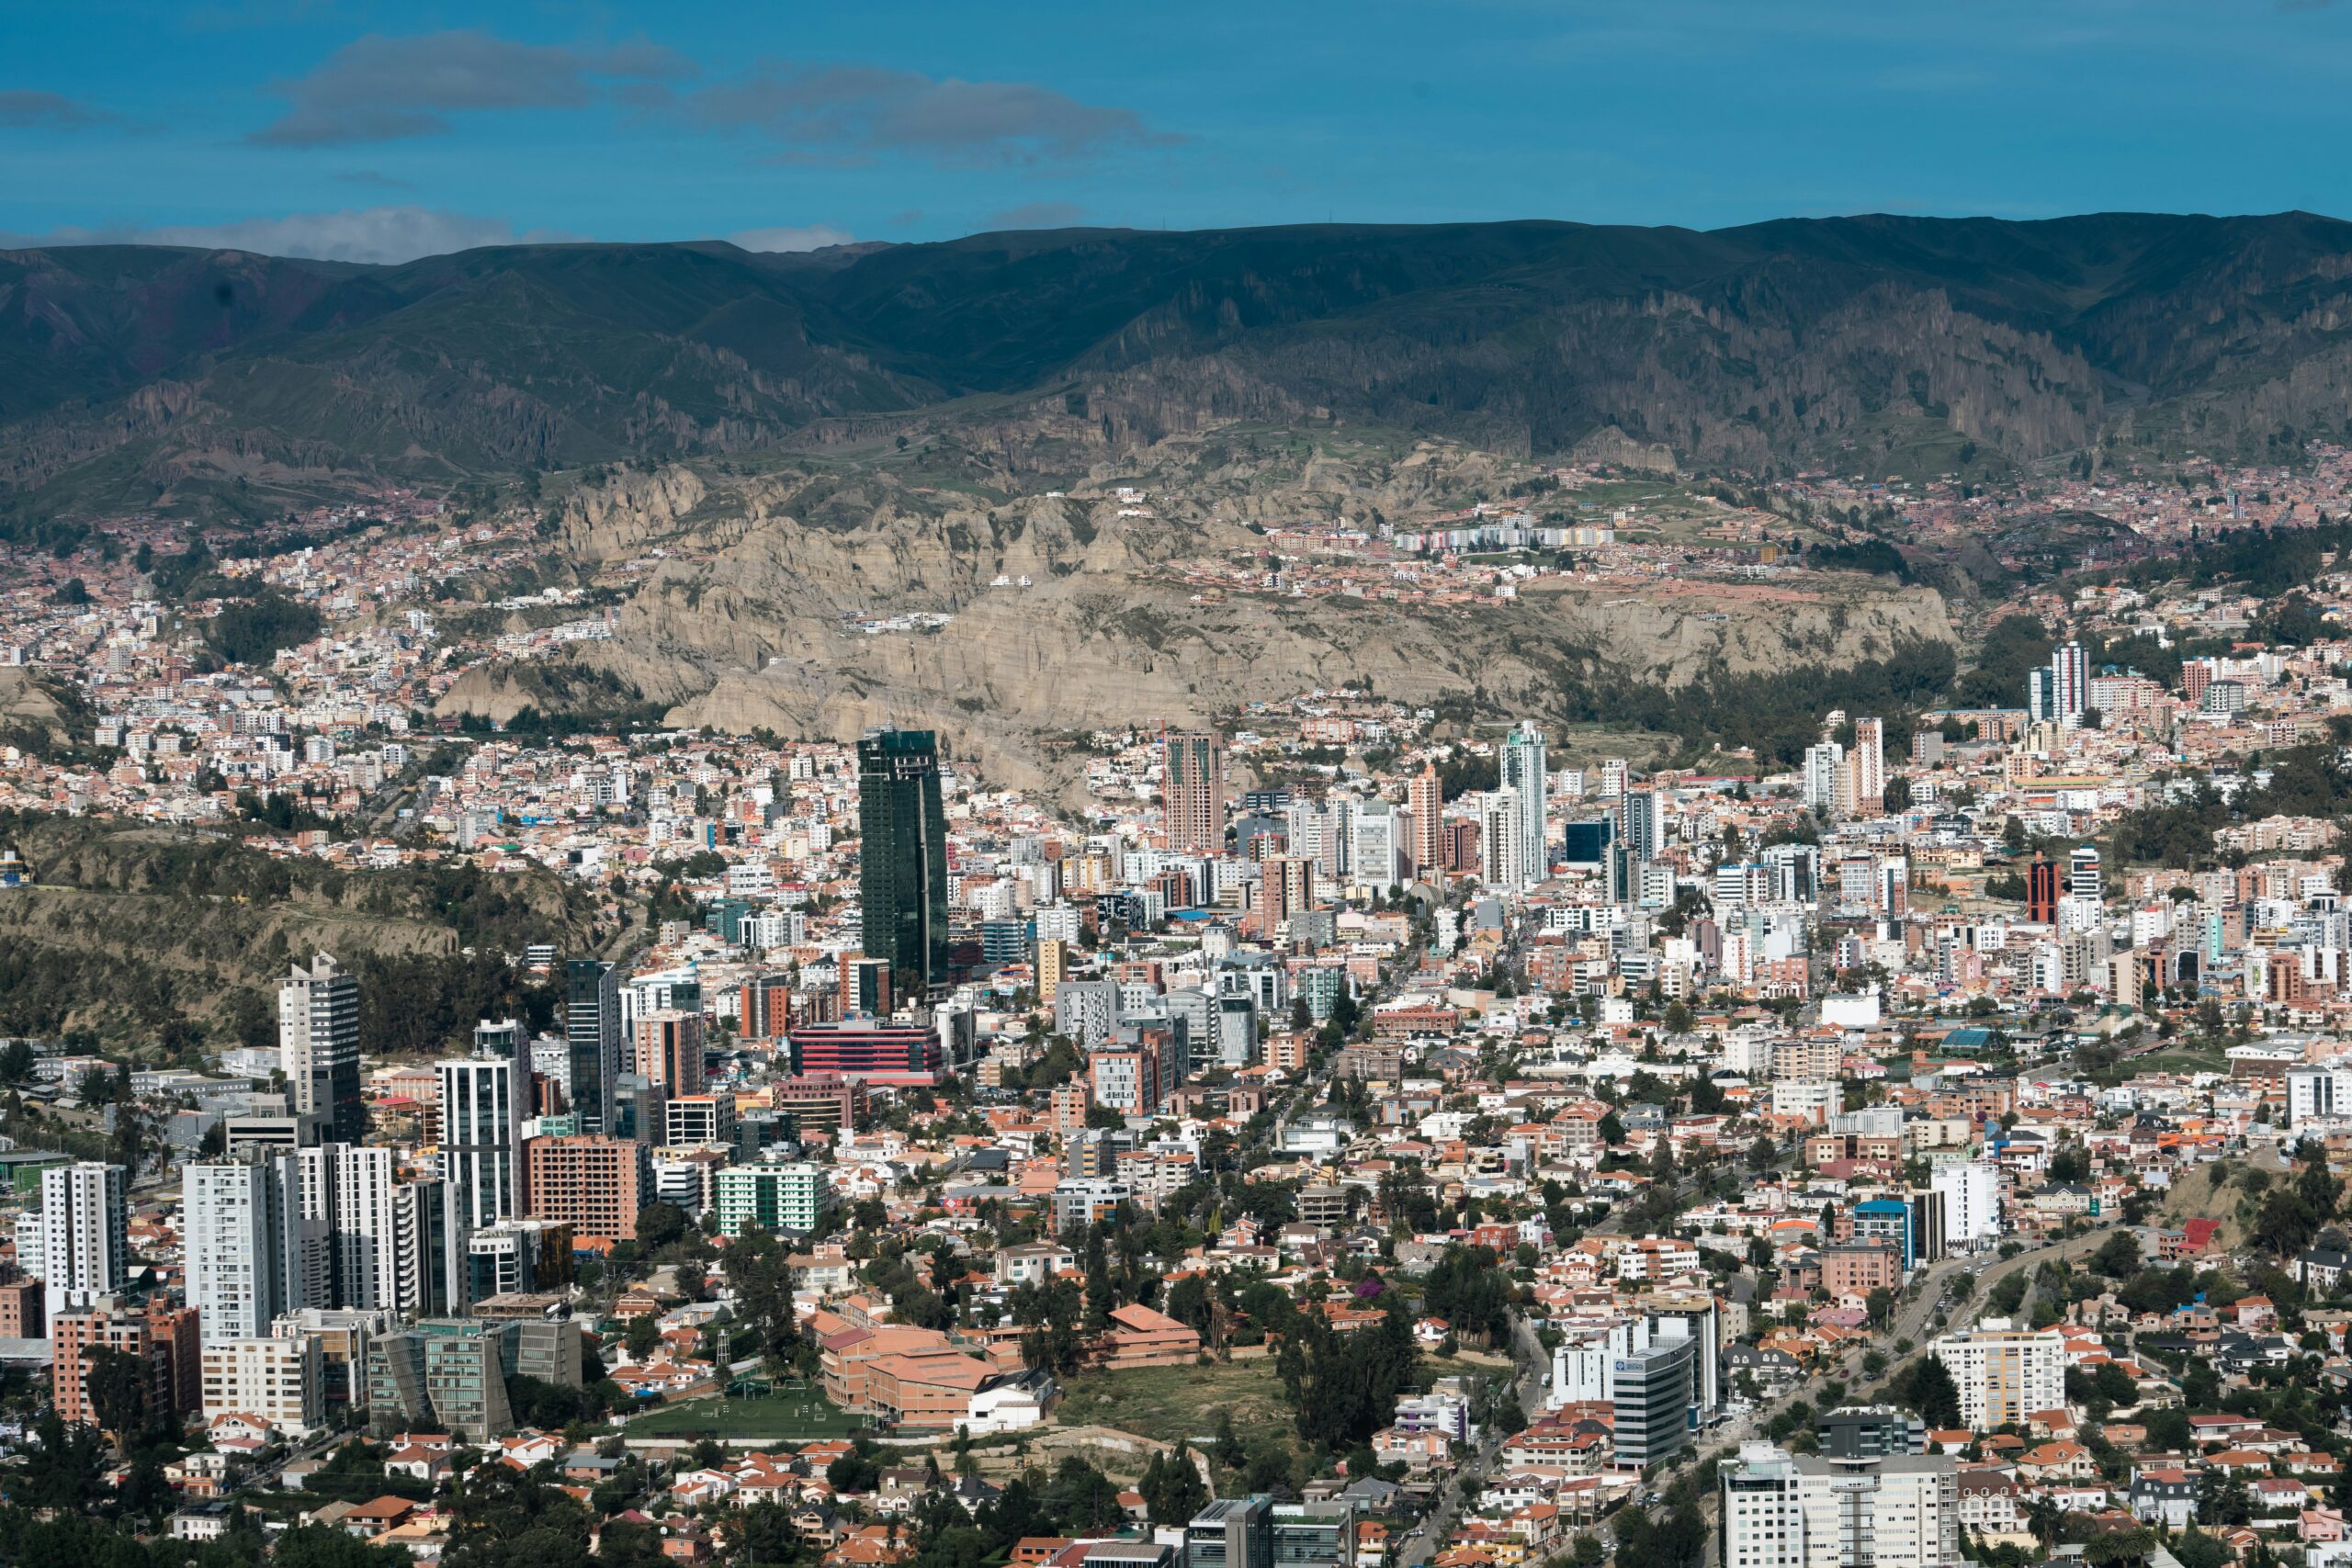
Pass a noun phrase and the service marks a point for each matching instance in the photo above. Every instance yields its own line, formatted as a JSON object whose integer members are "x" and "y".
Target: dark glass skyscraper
{"x": 592, "y": 1028}
{"x": 903, "y": 857}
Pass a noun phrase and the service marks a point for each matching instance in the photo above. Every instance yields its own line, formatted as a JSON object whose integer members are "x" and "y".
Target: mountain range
{"x": 152, "y": 376}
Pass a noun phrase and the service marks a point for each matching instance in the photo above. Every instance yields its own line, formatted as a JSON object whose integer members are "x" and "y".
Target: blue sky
{"x": 376, "y": 132}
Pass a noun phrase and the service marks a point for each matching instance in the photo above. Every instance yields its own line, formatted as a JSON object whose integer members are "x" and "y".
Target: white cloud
{"x": 814, "y": 237}
{"x": 363, "y": 234}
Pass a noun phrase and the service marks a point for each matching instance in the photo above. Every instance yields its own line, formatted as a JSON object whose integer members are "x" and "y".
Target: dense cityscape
{"x": 1352, "y": 1133}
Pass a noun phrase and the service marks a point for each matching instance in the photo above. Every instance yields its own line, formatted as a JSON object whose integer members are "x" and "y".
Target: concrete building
{"x": 281, "y": 1381}
{"x": 2004, "y": 1373}
{"x": 1653, "y": 1402}
{"x": 84, "y": 1252}
{"x": 595, "y": 1185}
{"x": 1783, "y": 1510}
{"x": 591, "y": 1030}
{"x": 783, "y": 1196}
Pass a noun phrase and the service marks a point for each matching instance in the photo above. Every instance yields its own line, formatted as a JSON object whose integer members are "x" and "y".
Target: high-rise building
{"x": 1523, "y": 771}
{"x": 1053, "y": 967}
{"x": 283, "y": 1381}
{"x": 2004, "y": 1374}
{"x": 85, "y": 1251}
{"x": 349, "y": 1191}
{"x": 1783, "y": 1510}
{"x": 764, "y": 1007}
{"x": 318, "y": 1045}
{"x": 1652, "y": 1398}
{"x": 1191, "y": 789}
{"x": 1425, "y": 799}
{"x": 1500, "y": 822}
{"x": 1232, "y": 1532}
{"x": 592, "y": 1028}
{"x": 1869, "y": 766}
{"x": 1377, "y": 842}
{"x": 669, "y": 1051}
{"x": 595, "y": 1185}
{"x": 483, "y": 1112}
{"x": 1825, "y": 767}
{"x": 2041, "y": 891}
{"x": 1644, "y": 829}
{"x": 2083, "y": 879}
{"x": 2070, "y": 684}
{"x": 241, "y": 1238}
{"x": 163, "y": 1339}
{"x": 902, "y": 858}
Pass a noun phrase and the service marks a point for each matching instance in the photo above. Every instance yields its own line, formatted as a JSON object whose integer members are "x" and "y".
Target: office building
{"x": 1783, "y": 1510}
{"x": 243, "y": 1239}
{"x": 1825, "y": 778}
{"x": 450, "y": 1373}
{"x": 870, "y": 1051}
{"x": 483, "y": 1112}
{"x": 592, "y": 1028}
{"x": 825, "y": 1102}
{"x": 2041, "y": 891}
{"x": 347, "y": 1195}
{"x": 595, "y": 1185}
{"x": 1191, "y": 787}
{"x": 1523, "y": 773}
{"x": 902, "y": 858}
{"x": 281, "y": 1381}
{"x": 864, "y": 985}
{"x": 2083, "y": 878}
{"x": 85, "y": 1251}
{"x": 786, "y": 1198}
{"x": 318, "y": 1046}
{"x": 1644, "y": 824}
{"x": 1379, "y": 838}
{"x": 1232, "y": 1532}
{"x": 1654, "y": 1402}
{"x": 2004, "y": 1374}
{"x": 1869, "y": 1431}
{"x": 695, "y": 1119}
{"x": 430, "y": 1237}
{"x": 1313, "y": 1535}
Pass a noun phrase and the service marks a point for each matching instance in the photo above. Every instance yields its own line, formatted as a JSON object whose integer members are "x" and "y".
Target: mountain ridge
{"x": 230, "y": 382}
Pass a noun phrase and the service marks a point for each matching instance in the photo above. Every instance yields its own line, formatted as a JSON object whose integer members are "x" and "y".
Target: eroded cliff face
{"x": 761, "y": 617}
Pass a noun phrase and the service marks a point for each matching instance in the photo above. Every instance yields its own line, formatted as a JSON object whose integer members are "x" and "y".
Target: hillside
{"x": 163, "y": 940}
{"x": 238, "y": 383}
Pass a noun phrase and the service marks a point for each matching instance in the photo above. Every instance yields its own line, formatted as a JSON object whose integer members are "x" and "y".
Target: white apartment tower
{"x": 1501, "y": 864}
{"x": 317, "y": 1044}
{"x": 243, "y": 1239}
{"x": 85, "y": 1251}
{"x": 481, "y": 1138}
{"x": 1523, "y": 771}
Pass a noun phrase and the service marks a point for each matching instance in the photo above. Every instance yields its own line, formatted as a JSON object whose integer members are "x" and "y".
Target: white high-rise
{"x": 318, "y": 1046}
{"x": 1523, "y": 772}
{"x": 1500, "y": 821}
{"x": 350, "y": 1190}
{"x": 2070, "y": 684}
{"x": 1783, "y": 1510}
{"x": 1972, "y": 1194}
{"x": 85, "y": 1245}
{"x": 1378, "y": 843}
{"x": 481, "y": 1138}
{"x": 1824, "y": 767}
{"x": 243, "y": 1237}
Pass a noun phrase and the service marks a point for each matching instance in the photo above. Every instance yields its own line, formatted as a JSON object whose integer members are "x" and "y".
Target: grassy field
{"x": 1174, "y": 1402}
{"x": 802, "y": 1417}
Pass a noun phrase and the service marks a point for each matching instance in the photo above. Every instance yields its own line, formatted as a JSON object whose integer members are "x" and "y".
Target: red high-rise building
{"x": 1191, "y": 786}
{"x": 2041, "y": 891}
